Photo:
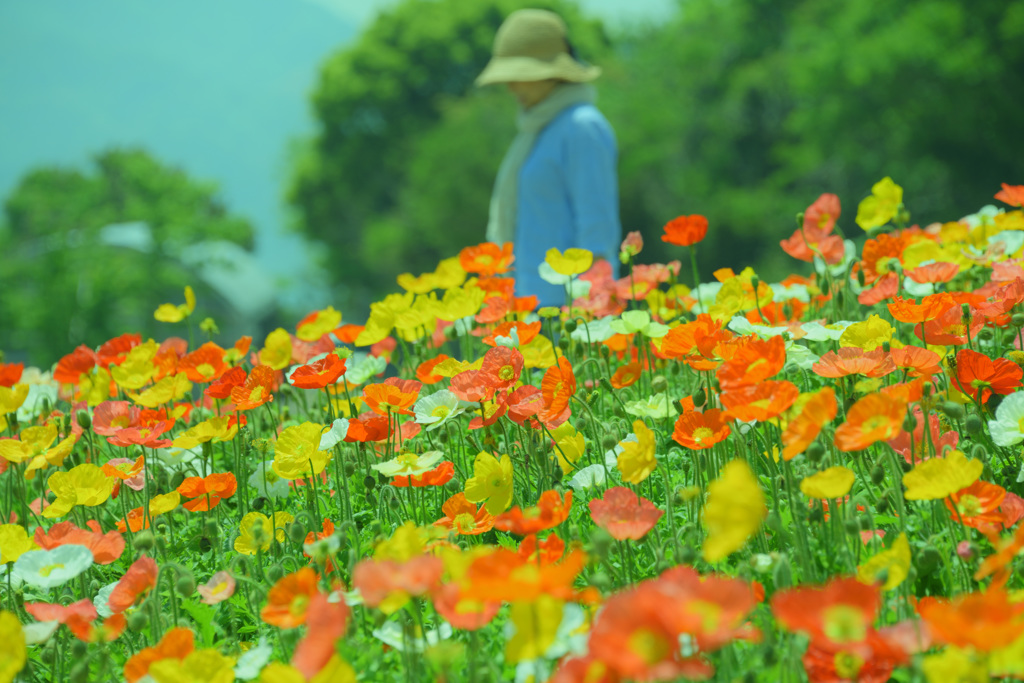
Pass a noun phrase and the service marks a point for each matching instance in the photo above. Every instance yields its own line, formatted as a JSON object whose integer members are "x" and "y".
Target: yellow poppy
{"x": 733, "y": 512}
{"x": 491, "y": 482}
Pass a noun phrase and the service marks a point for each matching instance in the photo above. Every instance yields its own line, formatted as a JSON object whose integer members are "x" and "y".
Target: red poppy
{"x": 839, "y": 614}
{"x": 854, "y": 361}
{"x": 177, "y": 643}
{"x": 134, "y": 585}
{"x": 391, "y": 397}
{"x": 439, "y": 476}
{"x": 71, "y": 367}
{"x": 501, "y": 367}
{"x": 752, "y": 362}
{"x": 205, "y": 364}
{"x": 289, "y": 599}
{"x": 950, "y": 328}
{"x": 917, "y": 361}
{"x": 464, "y": 518}
{"x": 257, "y": 389}
{"x": 550, "y": 511}
{"x": 367, "y": 427}
{"x": 624, "y": 514}
{"x": 490, "y": 410}
{"x": 106, "y": 548}
{"x": 1011, "y": 194}
{"x": 872, "y": 661}
{"x": 698, "y": 338}
{"x": 487, "y": 259}
{"x": 874, "y": 418}
{"x": 978, "y": 376}
{"x": 685, "y": 231}
{"x": 10, "y": 373}
{"x": 760, "y": 402}
{"x": 207, "y": 492}
{"x": 698, "y": 431}
{"x": 226, "y": 383}
{"x": 985, "y": 621}
{"x": 318, "y": 374}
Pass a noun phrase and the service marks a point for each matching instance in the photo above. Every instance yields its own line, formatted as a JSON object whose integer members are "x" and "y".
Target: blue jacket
{"x": 568, "y": 197}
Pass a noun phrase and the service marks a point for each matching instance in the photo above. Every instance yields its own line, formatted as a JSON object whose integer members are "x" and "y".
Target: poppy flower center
{"x": 875, "y": 422}
{"x": 969, "y": 506}
{"x": 506, "y": 373}
{"x": 463, "y": 522}
{"x": 700, "y": 434}
{"x": 848, "y": 665}
{"x": 845, "y": 624}
{"x": 648, "y": 645}
{"x": 205, "y": 369}
{"x": 409, "y": 461}
{"x": 440, "y": 412}
{"x": 298, "y": 606}
{"x": 50, "y": 568}
{"x": 256, "y": 394}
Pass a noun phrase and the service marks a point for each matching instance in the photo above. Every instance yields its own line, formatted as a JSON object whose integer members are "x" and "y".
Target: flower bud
{"x": 815, "y": 452}
{"x": 883, "y": 504}
{"x": 275, "y": 572}
{"x": 973, "y": 424}
{"x": 978, "y": 452}
{"x": 877, "y": 475}
{"x": 966, "y": 550}
{"x": 297, "y": 532}
{"x": 79, "y": 649}
{"x": 782, "y": 573}
{"x": 1017, "y": 320}
{"x": 185, "y": 585}
{"x": 659, "y": 384}
{"x": 985, "y": 334}
{"x": 454, "y": 485}
{"x": 83, "y": 419}
{"x": 138, "y": 620}
{"x": 369, "y": 482}
{"x": 605, "y": 351}
{"x": 952, "y": 410}
{"x": 177, "y": 479}
{"x": 851, "y": 525}
{"x": 608, "y": 442}
{"x": 259, "y": 503}
{"x": 144, "y": 540}
{"x": 581, "y": 424}
{"x": 909, "y": 424}
{"x": 570, "y": 326}
{"x": 601, "y": 581}
{"x": 928, "y": 559}
{"x": 687, "y": 555}
{"x": 563, "y": 343}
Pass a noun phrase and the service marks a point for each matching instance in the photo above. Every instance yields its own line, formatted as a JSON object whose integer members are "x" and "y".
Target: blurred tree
{"x": 747, "y": 110}
{"x": 364, "y": 185}
{"x": 87, "y": 256}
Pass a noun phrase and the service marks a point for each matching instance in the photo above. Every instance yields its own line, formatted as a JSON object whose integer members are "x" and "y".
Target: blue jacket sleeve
{"x": 592, "y": 180}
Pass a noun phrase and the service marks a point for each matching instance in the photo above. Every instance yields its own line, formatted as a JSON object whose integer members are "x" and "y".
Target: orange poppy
{"x": 854, "y": 361}
{"x": 501, "y": 367}
{"x": 1011, "y": 194}
{"x": 557, "y": 387}
{"x": 439, "y": 476}
{"x": 986, "y": 620}
{"x": 319, "y": 374}
{"x": 379, "y": 579}
{"x": 624, "y": 514}
{"x": 917, "y": 361}
{"x": 524, "y": 403}
{"x": 256, "y": 390}
{"x": 869, "y": 662}
{"x": 487, "y": 259}
{"x": 391, "y": 397}
{"x": 550, "y": 511}
{"x": 626, "y": 375}
{"x": 685, "y": 231}
{"x": 698, "y": 431}
{"x": 207, "y": 492}
{"x": 71, "y": 367}
{"x": 978, "y": 376}
{"x": 930, "y": 308}
{"x": 822, "y": 214}
{"x": 114, "y": 351}
{"x": 525, "y": 331}
{"x": 876, "y": 417}
{"x": 506, "y": 576}
{"x": 950, "y": 329}
{"x": 110, "y": 417}
{"x": 760, "y": 402}
{"x": 1006, "y": 550}
{"x": 840, "y": 613}
{"x": 177, "y": 643}
{"x": 44, "y": 611}
{"x": 88, "y": 631}
{"x": 977, "y": 505}
{"x": 348, "y": 333}
{"x": 105, "y": 547}
{"x": 425, "y": 370}
{"x": 778, "y": 313}
{"x": 289, "y": 599}
{"x": 934, "y": 272}
{"x": 367, "y": 427}
{"x": 146, "y": 436}
{"x": 803, "y": 429}
{"x": 226, "y": 383}
{"x": 883, "y": 288}
{"x": 10, "y": 373}
{"x": 464, "y": 518}
{"x": 134, "y": 585}
{"x": 205, "y": 364}
{"x": 695, "y": 342}
{"x": 326, "y": 622}
{"x": 468, "y": 615}
{"x": 753, "y": 361}
{"x": 548, "y": 551}
{"x": 878, "y": 255}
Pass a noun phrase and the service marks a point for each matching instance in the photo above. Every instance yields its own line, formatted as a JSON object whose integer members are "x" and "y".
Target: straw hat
{"x": 532, "y": 46}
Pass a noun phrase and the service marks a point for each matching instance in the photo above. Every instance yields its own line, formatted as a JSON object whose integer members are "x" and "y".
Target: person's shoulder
{"x": 585, "y": 120}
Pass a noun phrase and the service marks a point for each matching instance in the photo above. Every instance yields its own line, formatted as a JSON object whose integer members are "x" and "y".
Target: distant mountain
{"x": 217, "y": 87}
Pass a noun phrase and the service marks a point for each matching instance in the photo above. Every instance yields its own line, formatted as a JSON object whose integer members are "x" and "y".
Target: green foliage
{"x": 68, "y": 280}
{"x": 365, "y": 183}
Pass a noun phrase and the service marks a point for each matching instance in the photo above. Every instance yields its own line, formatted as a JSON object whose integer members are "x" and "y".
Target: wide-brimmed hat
{"x": 532, "y": 45}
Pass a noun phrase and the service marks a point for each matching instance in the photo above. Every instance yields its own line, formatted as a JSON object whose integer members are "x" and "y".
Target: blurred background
{"x": 283, "y": 155}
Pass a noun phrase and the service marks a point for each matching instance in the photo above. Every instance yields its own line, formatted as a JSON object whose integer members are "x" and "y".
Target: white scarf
{"x": 501, "y": 224}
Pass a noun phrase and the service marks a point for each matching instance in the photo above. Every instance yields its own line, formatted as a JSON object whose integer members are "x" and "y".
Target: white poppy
{"x": 52, "y": 568}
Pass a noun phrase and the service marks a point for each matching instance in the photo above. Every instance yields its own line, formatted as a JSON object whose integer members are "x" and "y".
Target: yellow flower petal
{"x": 637, "y": 460}
{"x": 297, "y": 454}
{"x": 571, "y": 262}
{"x": 835, "y": 482}
{"x": 277, "y": 350}
{"x": 892, "y": 564}
{"x": 13, "y": 638}
{"x": 325, "y": 321}
{"x": 868, "y": 334}
{"x": 941, "y": 477}
{"x": 536, "y": 625}
{"x": 733, "y": 512}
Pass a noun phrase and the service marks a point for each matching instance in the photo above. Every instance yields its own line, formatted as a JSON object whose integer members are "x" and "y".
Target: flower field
{"x": 817, "y": 479}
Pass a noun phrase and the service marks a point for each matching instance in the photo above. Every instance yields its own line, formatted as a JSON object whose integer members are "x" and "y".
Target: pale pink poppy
{"x": 136, "y": 483}
{"x": 219, "y": 588}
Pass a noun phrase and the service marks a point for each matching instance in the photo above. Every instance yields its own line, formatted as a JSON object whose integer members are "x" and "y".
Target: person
{"x": 557, "y": 185}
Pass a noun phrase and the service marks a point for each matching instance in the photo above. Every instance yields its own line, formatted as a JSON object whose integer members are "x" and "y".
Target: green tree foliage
{"x": 377, "y": 103}
{"x": 69, "y": 278}
{"x": 747, "y": 110}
